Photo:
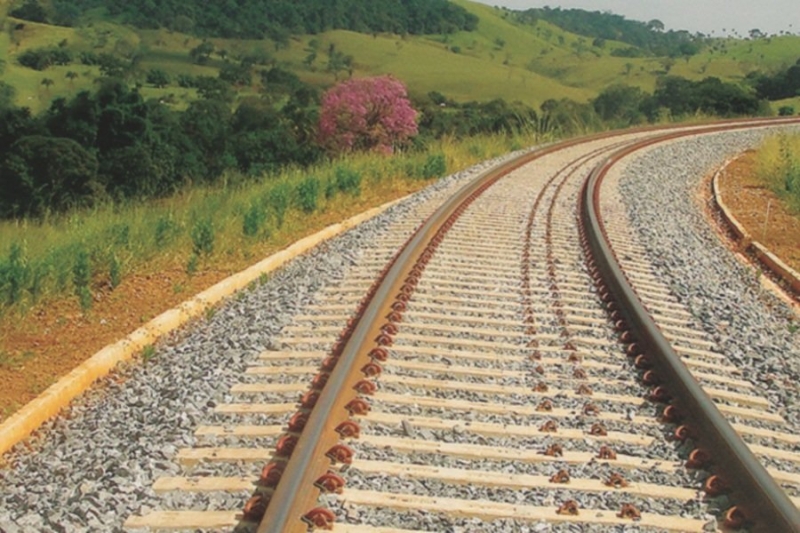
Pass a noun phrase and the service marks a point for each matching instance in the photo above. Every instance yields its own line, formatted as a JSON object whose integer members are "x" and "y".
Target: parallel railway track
{"x": 498, "y": 375}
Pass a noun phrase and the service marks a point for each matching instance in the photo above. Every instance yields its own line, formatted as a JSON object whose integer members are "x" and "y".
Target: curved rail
{"x": 292, "y": 499}
{"x": 297, "y": 490}
{"x": 758, "y": 496}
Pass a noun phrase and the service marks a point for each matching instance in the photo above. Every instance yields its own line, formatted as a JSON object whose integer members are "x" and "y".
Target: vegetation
{"x": 366, "y": 114}
{"x": 781, "y": 84}
{"x": 210, "y": 224}
{"x": 114, "y": 145}
{"x": 646, "y": 38}
{"x": 250, "y": 118}
{"x": 778, "y": 165}
{"x": 276, "y": 19}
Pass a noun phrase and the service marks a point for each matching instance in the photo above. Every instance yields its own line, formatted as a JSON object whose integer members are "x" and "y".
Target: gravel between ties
{"x": 93, "y": 466}
{"x": 748, "y": 322}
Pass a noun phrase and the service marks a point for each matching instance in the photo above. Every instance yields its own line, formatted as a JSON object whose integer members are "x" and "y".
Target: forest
{"x": 258, "y": 19}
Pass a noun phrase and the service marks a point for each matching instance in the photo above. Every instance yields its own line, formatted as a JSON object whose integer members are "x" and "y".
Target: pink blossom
{"x": 366, "y": 114}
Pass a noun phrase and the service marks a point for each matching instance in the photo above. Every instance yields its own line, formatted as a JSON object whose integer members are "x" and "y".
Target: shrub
{"x": 278, "y": 202}
{"x": 348, "y": 180}
{"x": 42, "y": 58}
{"x": 81, "y": 278}
{"x": 13, "y": 274}
{"x": 308, "y": 194}
{"x": 191, "y": 265}
{"x": 165, "y": 229}
{"x": 114, "y": 272}
{"x": 330, "y": 189}
{"x": 786, "y": 111}
{"x": 366, "y": 114}
{"x": 203, "y": 237}
{"x": 254, "y": 218}
{"x": 435, "y": 166}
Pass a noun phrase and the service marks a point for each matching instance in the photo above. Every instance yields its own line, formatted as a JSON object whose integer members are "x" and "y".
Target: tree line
{"x": 112, "y": 145}
{"x": 647, "y": 37}
{"x": 779, "y": 85}
{"x": 258, "y": 19}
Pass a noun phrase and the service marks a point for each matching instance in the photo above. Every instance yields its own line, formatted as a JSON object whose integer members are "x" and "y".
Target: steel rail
{"x": 296, "y": 493}
{"x": 757, "y": 495}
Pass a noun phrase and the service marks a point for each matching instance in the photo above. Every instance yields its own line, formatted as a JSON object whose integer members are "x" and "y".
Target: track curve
{"x": 483, "y": 349}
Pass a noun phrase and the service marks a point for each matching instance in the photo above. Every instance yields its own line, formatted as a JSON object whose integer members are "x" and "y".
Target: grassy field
{"x": 502, "y": 59}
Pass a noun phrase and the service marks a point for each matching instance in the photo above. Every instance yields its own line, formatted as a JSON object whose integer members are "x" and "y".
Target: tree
{"x": 366, "y": 114}
{"x": 655, "y": 25}
{"x": 30, "y": 10}
{"x": 237, "y": 75}
{"x": 47, "y": 83}
{"x": 42, "y": 173}
{"x": 207, "y": 123}
{"x": 214, "y": 89}
{"x": 337, "y": 62}
{"x": 71, "y": 76}
{"x": 158, "y": 78}
{"x": 620, "y": 103}
{"x": 7, "y": 95}
{"x": 201, "y": 53}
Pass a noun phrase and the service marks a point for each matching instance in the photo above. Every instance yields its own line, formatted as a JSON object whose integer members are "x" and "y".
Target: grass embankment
{"x": 70, "y": 285}
{"x": 762, "y": 189}
{"x": 778, "y": 167}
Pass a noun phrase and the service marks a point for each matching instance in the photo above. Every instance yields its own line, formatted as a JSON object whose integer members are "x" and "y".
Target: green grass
{"x": 778, "y": 165}
{"x": 208, "y": 227}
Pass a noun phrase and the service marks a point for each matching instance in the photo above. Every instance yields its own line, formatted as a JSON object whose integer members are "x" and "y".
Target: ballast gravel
{"x": 93, "y": 466}
{"x": 751, "y": 326}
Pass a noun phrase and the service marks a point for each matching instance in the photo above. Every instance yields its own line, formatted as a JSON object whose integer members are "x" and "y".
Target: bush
{"x": 254, "y": 218}
{"x": 165, "y": 230}
{"x": 308, "y": 194}
{"x": 348, "y": 180}
{"x": 278, "y": 202}
{"x": 42, "y": 58}
{"x": 187, "y": 81}
{"x": 435, "y": 166}
{"x": 158, "y": 77}
{"x": 786, "y": 111}
{"x": 12, "y": 274}
{"x": 203, "y": 237}
{"x": 114, "y": 272}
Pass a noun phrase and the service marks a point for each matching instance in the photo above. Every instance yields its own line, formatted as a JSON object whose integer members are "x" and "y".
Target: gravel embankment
{"x": 94, "y": 466}
{"x": 516, "y": 394}
{"x": 750, "y": 325}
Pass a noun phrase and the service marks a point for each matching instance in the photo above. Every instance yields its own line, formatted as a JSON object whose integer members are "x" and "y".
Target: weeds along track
{"x": 483, "y": 371}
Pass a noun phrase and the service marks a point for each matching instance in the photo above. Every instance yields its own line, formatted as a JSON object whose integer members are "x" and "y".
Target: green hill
{"x": 502, "y": 58}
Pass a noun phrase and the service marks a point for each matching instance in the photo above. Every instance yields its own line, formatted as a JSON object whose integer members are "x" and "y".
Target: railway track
{"x": 496, "y": 376}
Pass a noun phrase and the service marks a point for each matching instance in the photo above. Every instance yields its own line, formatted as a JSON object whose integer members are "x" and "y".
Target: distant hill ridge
{"x": 649, "y": 36}
{"x": 274, "y": 19}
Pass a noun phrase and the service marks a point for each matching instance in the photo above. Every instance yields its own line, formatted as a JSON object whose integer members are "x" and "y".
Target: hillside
{"x": 501, "y": 58}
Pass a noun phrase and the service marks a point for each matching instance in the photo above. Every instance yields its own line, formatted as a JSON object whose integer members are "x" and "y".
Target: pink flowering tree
{"x": 366, "y": 114}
